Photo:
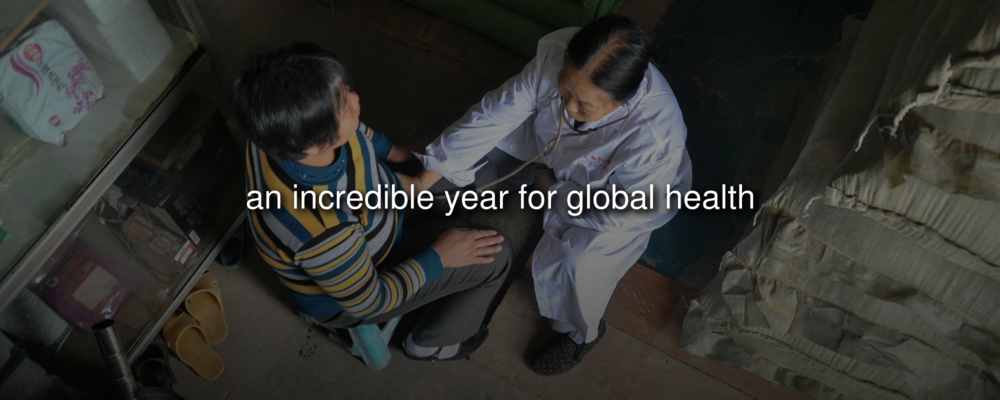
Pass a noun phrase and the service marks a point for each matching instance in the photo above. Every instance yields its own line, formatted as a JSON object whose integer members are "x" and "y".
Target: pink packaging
{"x": 47, "y": 85}
{"x": 81, "y": 285}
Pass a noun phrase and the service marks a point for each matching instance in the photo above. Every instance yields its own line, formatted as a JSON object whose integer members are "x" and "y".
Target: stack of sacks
{"x": 929, "y": 163}
{"x": 126, "y": 31}
{"x": 872, "y": 272}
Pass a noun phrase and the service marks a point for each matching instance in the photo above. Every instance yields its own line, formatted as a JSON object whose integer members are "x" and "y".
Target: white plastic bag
{"x": 46, "y": 83}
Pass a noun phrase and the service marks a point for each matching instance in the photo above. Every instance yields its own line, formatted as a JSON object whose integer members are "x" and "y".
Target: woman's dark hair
{"x": 613, "y": 53}
{"x": 288, "y": 100}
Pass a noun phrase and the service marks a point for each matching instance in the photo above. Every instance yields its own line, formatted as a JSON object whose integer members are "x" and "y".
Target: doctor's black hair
{"x": 288, "y": 100}
{"x": 613, "y": 53}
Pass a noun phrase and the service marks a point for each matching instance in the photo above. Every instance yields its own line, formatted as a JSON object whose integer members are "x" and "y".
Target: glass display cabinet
{"x": 120, "y": 170}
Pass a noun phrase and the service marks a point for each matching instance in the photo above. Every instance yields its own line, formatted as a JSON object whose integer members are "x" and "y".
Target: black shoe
{"x": 152, "y": 369}
{"x": 465, "y": 349}
{"x": 561, "y": 353}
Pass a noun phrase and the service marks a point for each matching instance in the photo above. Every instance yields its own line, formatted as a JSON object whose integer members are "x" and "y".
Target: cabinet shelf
{"x": 123, "y": 218}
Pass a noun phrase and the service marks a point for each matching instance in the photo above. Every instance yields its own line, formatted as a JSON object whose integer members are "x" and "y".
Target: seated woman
{"x": 341, "y": 266}
{"x": 618, "y": 123}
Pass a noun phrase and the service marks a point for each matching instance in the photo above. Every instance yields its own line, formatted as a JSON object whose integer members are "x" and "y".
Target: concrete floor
{"x": 415, "y": 74}
{"x": 271, "y": 354}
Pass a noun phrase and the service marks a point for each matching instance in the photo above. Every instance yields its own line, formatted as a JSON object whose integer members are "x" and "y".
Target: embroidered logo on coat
{"x": 597, "y": 161}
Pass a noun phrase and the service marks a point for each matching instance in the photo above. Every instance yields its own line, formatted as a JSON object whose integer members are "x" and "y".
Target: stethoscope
{"x": 553, "y": 144}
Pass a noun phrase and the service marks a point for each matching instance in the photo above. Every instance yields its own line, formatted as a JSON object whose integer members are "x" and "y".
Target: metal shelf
{"x": 190, "y": 279}
{"x": 199, "y": 66}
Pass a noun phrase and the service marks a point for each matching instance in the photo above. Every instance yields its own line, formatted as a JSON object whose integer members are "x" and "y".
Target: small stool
{"x": 372, "y": 344}
{"x": 368, "y": 342}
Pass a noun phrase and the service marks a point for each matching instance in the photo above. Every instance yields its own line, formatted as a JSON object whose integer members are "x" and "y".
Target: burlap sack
{"x": 938, "y": 110}
{"x": 840, "y": 303}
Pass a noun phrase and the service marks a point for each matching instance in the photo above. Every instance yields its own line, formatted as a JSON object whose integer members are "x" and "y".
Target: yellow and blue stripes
{"x": 329, "y": 260}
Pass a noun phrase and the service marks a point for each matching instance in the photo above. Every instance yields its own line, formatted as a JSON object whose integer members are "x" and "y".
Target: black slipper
{"x": 561, "y": 353}
{"x": 465, "y": 349}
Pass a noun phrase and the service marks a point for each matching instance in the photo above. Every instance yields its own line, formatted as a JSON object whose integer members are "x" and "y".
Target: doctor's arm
{"x": 453, "y": 154}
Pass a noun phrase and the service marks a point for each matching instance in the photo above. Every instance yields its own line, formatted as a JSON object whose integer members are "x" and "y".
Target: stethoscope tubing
{"x": 551, "y": 146}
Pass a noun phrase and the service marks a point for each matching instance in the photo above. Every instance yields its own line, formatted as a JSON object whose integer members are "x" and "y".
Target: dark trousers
{"x": 454, "y": 304}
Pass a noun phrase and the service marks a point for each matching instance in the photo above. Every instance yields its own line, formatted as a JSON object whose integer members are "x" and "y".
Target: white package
{"x": 127, "y": 31}
{"x": 46, "y": 83}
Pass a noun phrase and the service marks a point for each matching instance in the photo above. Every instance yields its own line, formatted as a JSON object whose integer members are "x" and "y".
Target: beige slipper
{"x": 204, "y": 303}
{"x": 188, "y": 342}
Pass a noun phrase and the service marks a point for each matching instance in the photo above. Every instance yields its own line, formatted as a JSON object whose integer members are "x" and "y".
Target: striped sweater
{"x": 329, "y": 260}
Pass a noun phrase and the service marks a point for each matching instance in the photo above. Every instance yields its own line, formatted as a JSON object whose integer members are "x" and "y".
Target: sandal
{"x": 190, "y": 344}
{"x": 204, "y": 304}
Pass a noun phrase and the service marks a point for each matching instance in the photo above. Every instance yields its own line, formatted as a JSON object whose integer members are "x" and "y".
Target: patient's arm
{"x": 422, "y": 181}
{"x": 400, "y": 155}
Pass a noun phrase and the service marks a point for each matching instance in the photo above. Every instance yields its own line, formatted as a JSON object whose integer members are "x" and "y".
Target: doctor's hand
{"x": 544, "y": 179}
{"x": 460, "y": 247}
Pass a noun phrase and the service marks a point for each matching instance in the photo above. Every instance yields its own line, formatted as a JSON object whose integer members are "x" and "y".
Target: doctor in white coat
{"x": 620, "y": 125}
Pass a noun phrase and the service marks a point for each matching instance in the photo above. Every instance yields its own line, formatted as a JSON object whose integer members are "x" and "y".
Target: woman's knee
{"x": 503, "y": 259}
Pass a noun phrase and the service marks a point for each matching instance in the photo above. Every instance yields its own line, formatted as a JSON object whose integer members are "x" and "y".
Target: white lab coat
{"x": 579, "y": 260}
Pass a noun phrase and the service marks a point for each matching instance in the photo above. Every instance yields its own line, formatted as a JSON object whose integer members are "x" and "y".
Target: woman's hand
{"x": 400, "y": 155}
{"x": 423, "y": 181}
{"x": 460, "y": 247}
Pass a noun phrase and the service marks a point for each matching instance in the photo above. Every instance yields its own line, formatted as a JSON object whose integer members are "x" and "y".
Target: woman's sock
{"x": 421, "y": 351}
